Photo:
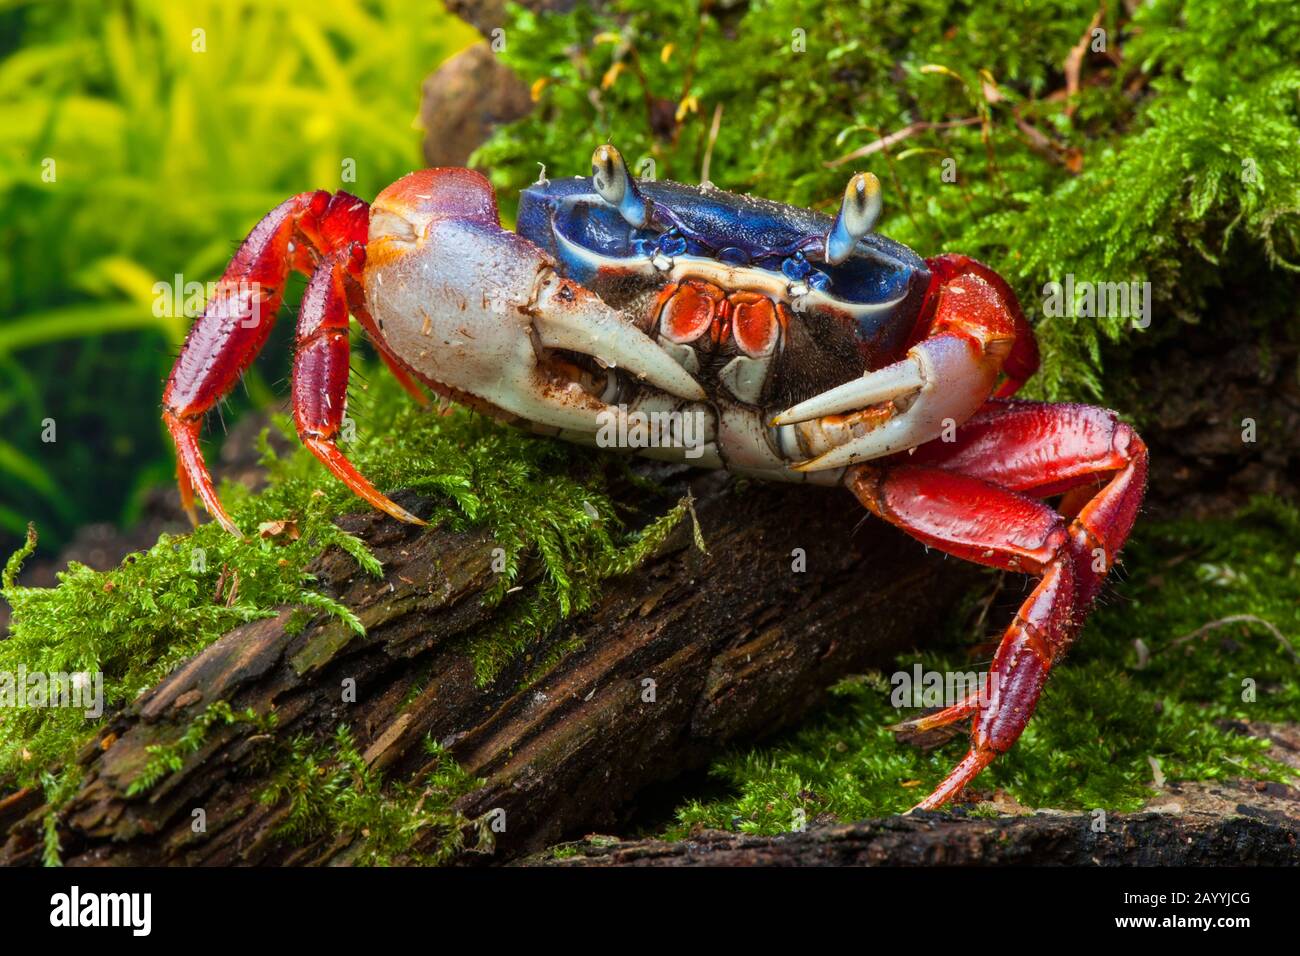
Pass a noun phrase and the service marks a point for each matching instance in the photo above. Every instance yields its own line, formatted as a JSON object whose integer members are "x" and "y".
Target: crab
{"x": 807, "y": 348}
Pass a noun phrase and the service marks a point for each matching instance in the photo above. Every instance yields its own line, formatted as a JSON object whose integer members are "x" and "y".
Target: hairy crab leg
{"x": 320, "y": 374}
{"x": 227, "y": 337}
{"x": 940, "y": 718}
{"x": 972, "y": 499}
{"x": 237, "y": 321}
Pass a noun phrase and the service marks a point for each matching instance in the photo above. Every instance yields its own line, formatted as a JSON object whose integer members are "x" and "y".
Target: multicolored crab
{"x": 809, "y": 348}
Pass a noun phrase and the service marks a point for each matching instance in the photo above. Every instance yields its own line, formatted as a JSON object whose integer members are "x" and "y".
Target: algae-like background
{"x": 1167, "y": 156}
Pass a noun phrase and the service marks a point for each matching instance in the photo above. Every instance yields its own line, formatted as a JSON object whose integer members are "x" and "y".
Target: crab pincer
{"x": 483, "y": 308}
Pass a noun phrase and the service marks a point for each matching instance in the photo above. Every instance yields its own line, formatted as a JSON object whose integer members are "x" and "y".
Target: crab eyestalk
{"x": 610, "y": 176}
{"x": 859, "y": 210}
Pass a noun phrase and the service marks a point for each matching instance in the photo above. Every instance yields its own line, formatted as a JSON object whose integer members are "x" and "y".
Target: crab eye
{"x": 614, "y": 184}
{"x": 859, "y": 210}
{"x": 609, "y": 174}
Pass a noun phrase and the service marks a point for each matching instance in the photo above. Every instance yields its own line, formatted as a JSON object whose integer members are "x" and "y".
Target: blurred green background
{"x": 141, "y": 139}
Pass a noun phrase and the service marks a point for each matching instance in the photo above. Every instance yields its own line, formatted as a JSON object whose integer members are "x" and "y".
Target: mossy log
{"x": 736, "y": 643}
{"x": 1254, "y": 828}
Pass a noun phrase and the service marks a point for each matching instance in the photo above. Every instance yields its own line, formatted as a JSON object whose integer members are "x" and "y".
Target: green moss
{"x": 545, "y": 503}
{"x": 1174, "y": 168}
{"x": 512, "y": 636}
{"x": 1105, "y": 713}
{"x": 58, "y": 787}
{"x": 331, "y": 790}
{"x": 166, "y": 759}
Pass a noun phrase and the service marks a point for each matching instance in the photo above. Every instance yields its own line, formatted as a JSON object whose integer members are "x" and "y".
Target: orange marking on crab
{"x": 689, "y": 309}
{"x": 754, "y": 322}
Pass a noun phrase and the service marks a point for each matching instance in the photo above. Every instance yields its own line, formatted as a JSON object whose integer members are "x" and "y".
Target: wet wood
{"x": 736, "y": 643}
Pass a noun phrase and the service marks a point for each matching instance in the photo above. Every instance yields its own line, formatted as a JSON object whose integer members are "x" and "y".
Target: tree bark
{"x": 1258, "y": 828}
{"x": 736, "y": 643}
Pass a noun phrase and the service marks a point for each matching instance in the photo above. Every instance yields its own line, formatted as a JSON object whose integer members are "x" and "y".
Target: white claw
{"x": 569, "y": 317}
{"x": 956, "y": 379}
{"x": 892, "y": 381}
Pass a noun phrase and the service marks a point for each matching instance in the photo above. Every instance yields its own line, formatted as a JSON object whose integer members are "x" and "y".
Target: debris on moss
{"x": 1109, "y": 707}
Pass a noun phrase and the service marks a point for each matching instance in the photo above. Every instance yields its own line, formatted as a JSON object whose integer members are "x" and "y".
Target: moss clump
{"x": 1108, "y": 710}
{"x": 541, "y": 500}
{"x": 331, "y": 790}
{"x": 1172, "y": 161}
{"x": 165, "y": 759}
{"x": 138, "y": 621}
{"x": 569, "y": 590}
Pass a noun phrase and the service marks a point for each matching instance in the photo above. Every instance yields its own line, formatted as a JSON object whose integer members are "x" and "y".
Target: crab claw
{"x": 943, "y": 379}
{"x": 481, "y": 311}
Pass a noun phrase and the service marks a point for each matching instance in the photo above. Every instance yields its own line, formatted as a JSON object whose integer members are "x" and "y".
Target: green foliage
{"x": 547, "y": 505}
{"x": 332, "y": 790}
{"x": 59, "y": 787}
{"x": 1211, "y": 158}
{"x": 1106, "y": 711}
{"x": 163, "y": 154}
{"x": 1188, "y": 144}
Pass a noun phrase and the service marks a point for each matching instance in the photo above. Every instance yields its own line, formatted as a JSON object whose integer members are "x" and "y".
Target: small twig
{"x": 893, "y": 139}
{"x": 629, "y": 55}
{"x": 688, "y": 75}
{"x": 1234, "y": 619}
{"x": 1069, "y": 157}
{"x": 1074, "y": 62}
{"x": 696, "y": 533}
{"x": 897, "y": 184}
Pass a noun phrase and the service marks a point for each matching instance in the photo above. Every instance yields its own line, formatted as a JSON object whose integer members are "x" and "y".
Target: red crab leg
{"x": 235, "y": 325}
{"x": 227, "y": 337}
{"x": 941, "y": 718}
{"x": 972, "y": 498}
{"x": 320, "y": 373}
